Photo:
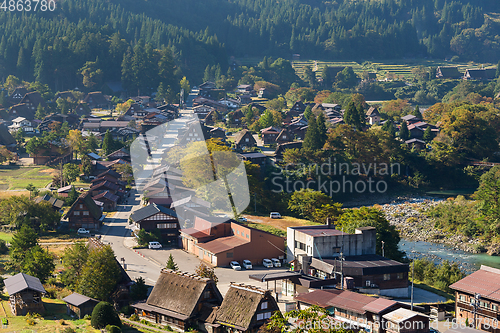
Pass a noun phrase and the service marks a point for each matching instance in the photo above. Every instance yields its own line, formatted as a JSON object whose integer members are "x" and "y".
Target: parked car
{"x": 154, "y": 245}
{"x": 247, "y": 264}
{"x": 235, "y": 265}
{"x": 242, "y": 219}
{"x": 267, "y": 263}
{"x": 275, "y": 215}
{"x": 83, "y": 231}
{"x": 276, "y": 262}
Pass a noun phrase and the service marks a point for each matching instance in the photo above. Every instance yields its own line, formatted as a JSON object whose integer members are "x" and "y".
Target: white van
{"x": 154, "y": 245}
{"x": 275, "y": 215}
{"x": 276, "y": 262}
{"x": 267, "y": 263}
{"x": 247, "y": 264}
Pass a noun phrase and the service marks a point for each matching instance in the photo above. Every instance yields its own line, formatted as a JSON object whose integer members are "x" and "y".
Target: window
{"x": 76, "y": 213}
{"x": 400, "y": 276}
{"x": 248, "y": 236}
{"x": 161, "y": 226}
{"x": 263, "y": 305}
{"x": 81, "y": 206}
{"x": 206, "y": 294}
{"x": 85, "y": 212}
{"x": 494, "y": 307}
{"x": 463, "y": 298}
{"x": 368, "y": 283}
{"x": 260, "y": 316}
{"x": 267, "y": 315}
{"x": 229, "y": 255}
{"x": 190, "y": 134}
{"x": 247, "y": 140}
{"x": 237, "y": 232}
{"x": 336, "y": 250}
{"x": 387, "y": 277}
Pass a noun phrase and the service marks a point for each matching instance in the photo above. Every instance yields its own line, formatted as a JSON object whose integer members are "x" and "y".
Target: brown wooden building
{"x": 180, "y": 299}
{"x": 245, "y": 308}
{"x": 25, "y": 294}
{"x": 80, "y": 305}
{"x": 84, "y": 213}
{"x": 483, "y": 287}
{"x": 154, "y": 217}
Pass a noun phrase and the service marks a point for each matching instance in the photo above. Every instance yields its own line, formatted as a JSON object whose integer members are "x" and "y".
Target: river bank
{"x": 409, "y": 217}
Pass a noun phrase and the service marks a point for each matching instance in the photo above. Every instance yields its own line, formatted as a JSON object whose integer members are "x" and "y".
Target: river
{"x": 437, "y": 252}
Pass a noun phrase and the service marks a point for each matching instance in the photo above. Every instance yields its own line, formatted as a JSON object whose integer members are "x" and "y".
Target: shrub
{"x": 134, "y": 317}
{"x": 127, "y": 310}
{"x": 67, "y": 330}
{"x": 87, "y": 317}
{"x": 104, "y": 315}
{"x": 168, "y": 328}
{"x": 113, "y": 329}
{"x": 3, "y": 247}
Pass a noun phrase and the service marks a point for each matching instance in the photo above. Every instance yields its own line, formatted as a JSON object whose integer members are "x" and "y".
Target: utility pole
{"x": 342, "y": 261}
{"x": 255, "y": 201}
{"x": 475, "y": 303}
{"x": 412, "y": 280}
{"x": 383, "y": 253}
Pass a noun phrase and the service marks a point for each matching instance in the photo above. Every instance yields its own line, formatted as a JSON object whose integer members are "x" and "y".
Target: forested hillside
{"x": 86, "y": 36}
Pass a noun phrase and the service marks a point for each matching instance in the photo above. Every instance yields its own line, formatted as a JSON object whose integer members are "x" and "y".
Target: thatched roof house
{"x": 245, "y": 308}
{"x": 179, "y": 299}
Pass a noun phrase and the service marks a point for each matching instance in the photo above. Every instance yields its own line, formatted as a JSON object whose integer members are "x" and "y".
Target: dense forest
{"x": 90, "y": 42}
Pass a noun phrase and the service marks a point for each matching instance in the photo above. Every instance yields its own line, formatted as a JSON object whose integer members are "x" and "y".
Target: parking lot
{"x": 188, "y": 263}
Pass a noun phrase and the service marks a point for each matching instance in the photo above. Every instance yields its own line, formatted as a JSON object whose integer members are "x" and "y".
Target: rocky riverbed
{"x": 410, "y": 218}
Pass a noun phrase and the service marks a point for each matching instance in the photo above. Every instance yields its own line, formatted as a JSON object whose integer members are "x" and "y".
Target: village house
{"x": 84, "y": 213}
{"x": 82, "y": 109}
{"x": 284, "y": 137}
{"x": 154, "y": 217}
{"x": 480, "y": 74}
{"x": 326, "y": 252}
{"x": 406, "y": 321}
{"x": 109, "y": 200}
{"x": 282, "y": 147}
{"x": 55, "y": 203}
{"x": 17, "y": 95}
{"x": 244, "y": 140}
{"x": 22, "y": 110}
{"x": 255, "y": 158}
{"x": 448, "y": 72}
{"x": 479, "y": 293}
{"x": 269, "y": 134}
{"x": 373, "y": 116}
{"x": 33, "y": 99}
{"x": 79, "y": 305}
{"x": 21, "y": 123}
{"x": 96, "y": 100}
{"x": 245, "y": 308}
{"x": 415, "y": 144}
{"x": 6, "y": 139}
{"x": 180, "y": 300}
{"x": 25, "y": 294}
{"x": 219, "y": 241}
{"x": 53, "y": 153}
{"x": 244, "y": 88}
{"x": 65, "y": 95}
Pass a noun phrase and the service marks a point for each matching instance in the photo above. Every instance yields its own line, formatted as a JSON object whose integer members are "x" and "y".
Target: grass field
{"x": 401, "y": 67}
{"x": 15, "y": 177}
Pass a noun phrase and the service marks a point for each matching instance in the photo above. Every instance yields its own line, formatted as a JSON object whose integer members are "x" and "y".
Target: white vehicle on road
{"x": 83, "y": 231}
{"x": 247, "y": 264}
{"x": 275, "y": 215}
{"x": 267, "y": 263}
{"x": 154, "y": 245}
{"x": 276, "y": 262}
{"x": 235, "y": 265}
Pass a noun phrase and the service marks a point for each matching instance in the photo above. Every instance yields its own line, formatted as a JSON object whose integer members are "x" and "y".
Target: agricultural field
{"x": 15, "y": 177}
{"x": 399, "y": 68}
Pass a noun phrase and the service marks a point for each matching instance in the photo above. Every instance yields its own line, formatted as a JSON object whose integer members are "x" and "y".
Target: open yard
{"x": 15, "y": 177}
{"x": 275, "y": 226}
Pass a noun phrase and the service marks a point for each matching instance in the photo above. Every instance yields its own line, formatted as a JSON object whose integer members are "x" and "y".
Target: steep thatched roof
{"x": 240, "y": 305}
{"x": 179, "y": 292}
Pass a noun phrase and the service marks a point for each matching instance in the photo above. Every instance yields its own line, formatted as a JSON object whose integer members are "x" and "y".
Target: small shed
{"x": 80, "y": 305}
{"x": 25, "y": 294}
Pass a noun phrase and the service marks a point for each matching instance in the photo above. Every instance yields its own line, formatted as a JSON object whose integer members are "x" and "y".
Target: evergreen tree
{"x": 22, "y": 242}
{"x": 351, "y": 116}
{"x": 311, "y": 139}
{"x": 416, "y": 112}
{"x": 40, "y": 112}
{"x": 428, "y": 135}
{"x": 308, "y": 112}
{"x": 107, "y": 144}
{"x": 321, "y": 124}
{"x": 404, "y": 134}
{"x": 361, "y": 116}
{"x": 389, "y": 127}
{"x": 171, "y": 263}
{"x": 326, "y": 76}
{"x": 309, "y": 76}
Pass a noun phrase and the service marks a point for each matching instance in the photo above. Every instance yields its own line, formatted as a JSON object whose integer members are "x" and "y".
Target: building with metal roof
{"x": 25, "y": 294}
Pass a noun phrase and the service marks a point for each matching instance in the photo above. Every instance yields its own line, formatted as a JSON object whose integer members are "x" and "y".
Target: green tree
{"x": 305, "y": 202}
{"x": 86, "y": 165}
{"x": 416, "y": 112}
{"x": 332, "y": 211}
{"x": 322, "y": 131}
{"x": 346, "y": 78}
{"x": 428, "y": 136}
{"x": 309, "y": 76}
{"x": 171, "y": 263}
{"x": 206, "y": 272}
{"x": 404, "y": 133}
{"x": 22, "y": 242}
{"x": 139, "y": 290}
{"x": 388, "y": 126}
{"x": 70, "y": 172}
{"x": 312, "y": 137}
{"x": 74, "y": 260}
{"x": 489, "y": 201}
{"x": 372, "y": 217}
{"x": 39, "y": 263}
{"x": 326, "y": 76}
{"x": 352, "y": 117}
{"x": 100, "y": 274}
{"x": 107, "y": 144}
{"x": 33, "y": 190}
{"x": 308, "y": 112}
{"x": 103, "y": 315}
{"x": 185, "y": 85}
{"x": 92, "y": 143}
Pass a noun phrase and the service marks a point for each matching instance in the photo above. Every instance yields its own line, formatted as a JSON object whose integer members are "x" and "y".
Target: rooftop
{"x": 485, "y": 281}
